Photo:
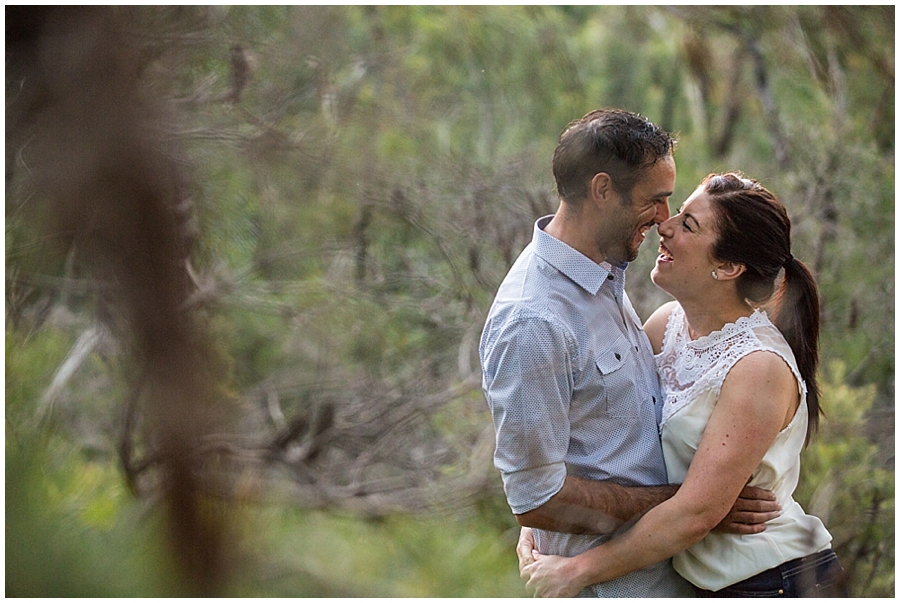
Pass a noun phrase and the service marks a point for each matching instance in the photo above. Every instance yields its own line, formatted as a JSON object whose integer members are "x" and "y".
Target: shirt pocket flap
{"x": 612, "y": 358}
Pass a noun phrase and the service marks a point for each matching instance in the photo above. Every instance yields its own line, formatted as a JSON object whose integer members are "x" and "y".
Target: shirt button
{"x": 618, "y": 357}
{"x": 610, "y": 277}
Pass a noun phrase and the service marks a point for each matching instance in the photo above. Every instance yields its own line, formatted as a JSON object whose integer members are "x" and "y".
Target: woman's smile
{"x": 665, "y": 256}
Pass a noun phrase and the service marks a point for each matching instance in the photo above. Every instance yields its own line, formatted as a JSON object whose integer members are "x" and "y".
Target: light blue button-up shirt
{"x": 570, "y": 379}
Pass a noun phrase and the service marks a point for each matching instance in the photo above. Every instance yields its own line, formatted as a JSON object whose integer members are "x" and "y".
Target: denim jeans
{"x": 816, "y": 575}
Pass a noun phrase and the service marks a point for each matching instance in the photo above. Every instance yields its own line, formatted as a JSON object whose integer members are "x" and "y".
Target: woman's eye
{"x": 686, "y": 227}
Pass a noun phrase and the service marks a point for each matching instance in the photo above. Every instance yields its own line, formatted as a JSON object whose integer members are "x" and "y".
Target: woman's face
{"x": 685, "y": 263}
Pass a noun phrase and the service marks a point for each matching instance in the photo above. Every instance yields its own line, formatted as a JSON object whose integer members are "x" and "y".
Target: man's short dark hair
{"x": 614, "y": 141}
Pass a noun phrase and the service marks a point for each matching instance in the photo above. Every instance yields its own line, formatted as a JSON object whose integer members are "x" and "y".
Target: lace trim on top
{"x": 690, "y": 368}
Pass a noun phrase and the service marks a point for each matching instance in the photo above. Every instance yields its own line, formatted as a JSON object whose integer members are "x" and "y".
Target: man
{"x": 569, "y": 374}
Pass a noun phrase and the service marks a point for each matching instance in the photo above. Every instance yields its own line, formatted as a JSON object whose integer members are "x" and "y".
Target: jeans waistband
{"x": 789, "y": 568}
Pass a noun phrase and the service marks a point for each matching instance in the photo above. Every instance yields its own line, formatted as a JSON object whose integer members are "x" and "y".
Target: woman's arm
{"x": 757, "y": 400}
{"x": 655, "y": 327}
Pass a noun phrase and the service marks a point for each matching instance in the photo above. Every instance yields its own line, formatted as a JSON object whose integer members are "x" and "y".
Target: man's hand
{"x": 525, "y": 548}
{"x": 753, "y": 508}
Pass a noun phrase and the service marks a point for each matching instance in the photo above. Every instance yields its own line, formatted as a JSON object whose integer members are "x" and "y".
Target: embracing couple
{"x": 657, "y": 460}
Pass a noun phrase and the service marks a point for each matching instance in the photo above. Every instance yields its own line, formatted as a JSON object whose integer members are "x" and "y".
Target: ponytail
{"x": 795, "y": 310}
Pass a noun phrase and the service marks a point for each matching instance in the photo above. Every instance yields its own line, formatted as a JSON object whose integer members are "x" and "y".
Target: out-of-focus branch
{"x": 87, "y": 342}
{"x": 103, "y": 177}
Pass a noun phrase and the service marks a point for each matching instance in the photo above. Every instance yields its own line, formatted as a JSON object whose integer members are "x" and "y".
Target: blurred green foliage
{"x": 74, "y": 530}
{"x": 352, "y": 214}
{"x": 844, "y": 483}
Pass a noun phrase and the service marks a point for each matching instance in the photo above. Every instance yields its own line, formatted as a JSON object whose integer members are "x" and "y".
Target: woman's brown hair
{"x": 755, "y": 230}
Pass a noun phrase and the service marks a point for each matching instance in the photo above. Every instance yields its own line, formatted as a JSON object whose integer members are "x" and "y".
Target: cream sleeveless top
{"x": 692, "y": 375}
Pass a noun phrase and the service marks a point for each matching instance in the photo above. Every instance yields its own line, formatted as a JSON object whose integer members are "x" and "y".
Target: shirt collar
{"x": 585, "y": 272}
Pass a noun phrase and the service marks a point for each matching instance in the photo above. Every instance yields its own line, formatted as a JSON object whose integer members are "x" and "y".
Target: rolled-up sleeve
{"x": 527, "y": 367}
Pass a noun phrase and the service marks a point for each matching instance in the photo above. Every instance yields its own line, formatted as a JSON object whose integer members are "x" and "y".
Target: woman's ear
{"x": 730, "y": 270}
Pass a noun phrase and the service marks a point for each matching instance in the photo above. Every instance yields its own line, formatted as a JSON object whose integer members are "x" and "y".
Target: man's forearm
{"x": 593, "y": 507}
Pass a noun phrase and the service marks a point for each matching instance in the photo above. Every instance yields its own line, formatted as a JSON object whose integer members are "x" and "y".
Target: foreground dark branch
{"x": 81, "y": 121}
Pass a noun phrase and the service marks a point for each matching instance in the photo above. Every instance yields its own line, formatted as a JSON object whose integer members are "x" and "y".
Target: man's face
{"x": 646, "y": 205}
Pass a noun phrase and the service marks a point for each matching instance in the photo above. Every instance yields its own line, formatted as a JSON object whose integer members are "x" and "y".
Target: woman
{"x": 741, "y": 401}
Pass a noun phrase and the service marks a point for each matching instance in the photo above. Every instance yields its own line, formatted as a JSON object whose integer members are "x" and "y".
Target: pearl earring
{"x": 715, "y": 275}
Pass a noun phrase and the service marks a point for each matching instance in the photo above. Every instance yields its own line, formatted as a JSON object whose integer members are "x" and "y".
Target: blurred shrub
{"x": 843, "y": 483}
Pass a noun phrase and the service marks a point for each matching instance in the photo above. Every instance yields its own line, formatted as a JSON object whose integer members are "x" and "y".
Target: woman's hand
{"x": 545, "y": 575}
{"x": 552, "y": 576}
{"x": 525, "y": 548}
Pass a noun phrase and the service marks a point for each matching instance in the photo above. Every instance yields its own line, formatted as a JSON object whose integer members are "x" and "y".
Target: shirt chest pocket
{"x": 617, "y": 365}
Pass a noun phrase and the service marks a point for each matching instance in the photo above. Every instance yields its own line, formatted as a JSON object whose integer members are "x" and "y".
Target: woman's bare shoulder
{"x": 655, "y": 327}
{"x": 761, "y": 387}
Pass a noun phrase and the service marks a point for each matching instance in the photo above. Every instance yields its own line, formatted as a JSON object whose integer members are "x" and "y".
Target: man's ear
{"x": 601, "y": 187}
{"x": 730, "y": 270}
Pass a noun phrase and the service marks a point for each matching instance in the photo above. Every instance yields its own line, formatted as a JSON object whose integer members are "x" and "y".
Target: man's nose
{"x": 662, "y": 212}
{"x": 664, "y": 226}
